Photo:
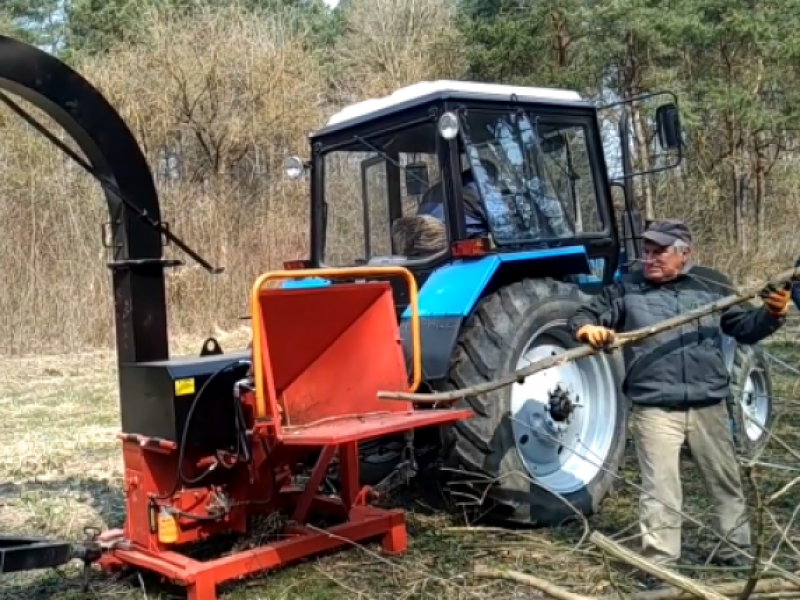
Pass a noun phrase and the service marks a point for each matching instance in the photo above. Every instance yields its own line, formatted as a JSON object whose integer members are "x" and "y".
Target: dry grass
{"x": 60, "y": 469}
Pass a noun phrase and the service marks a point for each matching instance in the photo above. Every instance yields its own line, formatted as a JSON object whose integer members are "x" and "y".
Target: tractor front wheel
{"x": 750, "y": 409}
{"x": 540, "y": 450}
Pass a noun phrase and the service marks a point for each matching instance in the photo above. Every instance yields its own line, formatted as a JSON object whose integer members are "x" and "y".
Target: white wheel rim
{"x": 564, "y": 457}
{"x": 755, "y": 404}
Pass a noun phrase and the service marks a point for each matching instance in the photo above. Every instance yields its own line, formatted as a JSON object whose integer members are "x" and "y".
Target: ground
{"x": 60, "y": 471}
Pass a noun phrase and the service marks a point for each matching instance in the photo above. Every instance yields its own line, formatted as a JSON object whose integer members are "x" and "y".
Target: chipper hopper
{"x": 209, "y": 442}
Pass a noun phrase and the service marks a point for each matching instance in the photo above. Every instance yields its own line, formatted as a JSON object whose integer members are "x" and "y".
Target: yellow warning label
{"x": 184, "y": 387}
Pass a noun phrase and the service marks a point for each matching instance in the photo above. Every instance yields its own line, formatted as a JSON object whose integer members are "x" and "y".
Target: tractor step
{"x": 27, "y": 554}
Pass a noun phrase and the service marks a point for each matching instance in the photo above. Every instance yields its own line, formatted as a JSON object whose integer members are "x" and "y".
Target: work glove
{"x": 595, "y": 335}
{"x": 776, "y": 298}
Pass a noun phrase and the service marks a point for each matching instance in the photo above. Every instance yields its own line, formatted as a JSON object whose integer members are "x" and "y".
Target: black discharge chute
{"x": 137, "y": 233}
{"x": 115, "y": 159}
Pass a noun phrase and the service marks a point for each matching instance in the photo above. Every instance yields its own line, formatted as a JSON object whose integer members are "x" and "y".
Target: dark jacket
{"x": 433, "y": 204}
{"x": 683, "y": 367}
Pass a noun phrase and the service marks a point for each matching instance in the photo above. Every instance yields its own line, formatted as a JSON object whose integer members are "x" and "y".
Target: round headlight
{"x": 448, "y": 125}
{"x": 294, "y": 167}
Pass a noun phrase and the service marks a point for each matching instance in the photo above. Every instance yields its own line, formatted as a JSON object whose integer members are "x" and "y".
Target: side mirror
{"x": 416, "y": 175}
{"x": 668, "y": 126}
{"x": 553, "y": 143}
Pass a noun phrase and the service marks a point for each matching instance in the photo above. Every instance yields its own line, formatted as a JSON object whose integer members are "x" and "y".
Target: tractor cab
{"x": 472, "y": 187}
{"x": 449, "y": 170}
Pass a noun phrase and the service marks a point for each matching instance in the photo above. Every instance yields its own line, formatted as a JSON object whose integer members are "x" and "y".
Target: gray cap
{"x": 665, "y": 233}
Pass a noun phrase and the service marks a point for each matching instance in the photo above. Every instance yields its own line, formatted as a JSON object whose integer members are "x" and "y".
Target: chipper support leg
{"x": 202, "y": 589}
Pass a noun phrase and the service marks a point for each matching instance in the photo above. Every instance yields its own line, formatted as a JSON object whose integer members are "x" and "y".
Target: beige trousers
{"x": 659, "y": 435}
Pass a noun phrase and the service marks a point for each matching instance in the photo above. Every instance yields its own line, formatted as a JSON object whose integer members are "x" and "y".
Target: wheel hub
{"x": 561, "y": 405}
{"x": 553, "y": 422}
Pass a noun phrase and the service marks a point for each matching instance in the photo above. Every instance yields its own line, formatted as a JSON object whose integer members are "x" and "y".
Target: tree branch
{"x": 586, "y": 350}
{"x": 693, "y": 588}
{"x": 549, "y": 589}
{"x": 764, "y": 586}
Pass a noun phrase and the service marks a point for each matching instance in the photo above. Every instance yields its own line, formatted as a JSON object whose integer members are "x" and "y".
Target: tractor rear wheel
{"x": 751, "y": 408}
{"x": 517, "y": 450}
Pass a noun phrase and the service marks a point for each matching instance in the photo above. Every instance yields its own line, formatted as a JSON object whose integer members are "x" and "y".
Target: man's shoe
{"x": 648, "y": 582}
{"x": 735, "y": 561}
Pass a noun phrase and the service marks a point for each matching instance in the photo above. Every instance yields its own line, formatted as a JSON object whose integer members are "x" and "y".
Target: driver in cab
{"x": 425, "y": 233}
{"x": 433, "y": 201}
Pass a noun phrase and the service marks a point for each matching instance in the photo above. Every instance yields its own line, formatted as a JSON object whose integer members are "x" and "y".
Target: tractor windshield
{"x": 534, "y": 176}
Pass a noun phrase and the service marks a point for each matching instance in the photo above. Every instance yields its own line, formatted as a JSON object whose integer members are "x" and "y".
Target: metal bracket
{"x": 107, "y": 235}
{"x": 211, "y": 347}
{"x": 142, "y": 263}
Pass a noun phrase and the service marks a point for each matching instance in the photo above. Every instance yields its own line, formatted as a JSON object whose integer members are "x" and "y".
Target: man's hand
{"x": 595, "y": 335}
{"x": 776, "y": 298}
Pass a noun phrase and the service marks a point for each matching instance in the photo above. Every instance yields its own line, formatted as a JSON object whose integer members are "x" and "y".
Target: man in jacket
{"x": 433, "y": 200}
{"x": 678, "y": 383}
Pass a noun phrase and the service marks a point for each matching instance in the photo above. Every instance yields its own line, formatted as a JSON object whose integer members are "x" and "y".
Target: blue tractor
{"x": 498, "y": 199}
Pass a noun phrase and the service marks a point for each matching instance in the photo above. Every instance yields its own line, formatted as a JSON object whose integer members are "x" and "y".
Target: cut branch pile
{"x": 681, "y": 587}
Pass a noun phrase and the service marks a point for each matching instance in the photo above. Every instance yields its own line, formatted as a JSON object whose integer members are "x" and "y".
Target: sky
{"x": 331, "y": 3}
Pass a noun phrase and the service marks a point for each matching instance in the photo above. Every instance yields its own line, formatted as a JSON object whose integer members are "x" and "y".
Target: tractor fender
{"x": 451, "y": 292}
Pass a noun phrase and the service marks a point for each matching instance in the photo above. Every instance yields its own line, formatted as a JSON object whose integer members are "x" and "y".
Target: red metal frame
{"x": 361, "y": 523}
{"x": 318, "y": 369}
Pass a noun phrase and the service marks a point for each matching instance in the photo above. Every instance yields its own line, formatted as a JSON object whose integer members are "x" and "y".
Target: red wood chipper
{"x": 209, "y": 442}
{"x": 319, "y": 357}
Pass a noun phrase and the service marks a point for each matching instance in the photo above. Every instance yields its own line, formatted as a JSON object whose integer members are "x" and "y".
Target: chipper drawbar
{"x": 210, "y": 442}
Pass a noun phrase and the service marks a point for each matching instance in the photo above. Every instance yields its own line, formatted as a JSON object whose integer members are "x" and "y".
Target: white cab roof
{"x": 426, "y": 88}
